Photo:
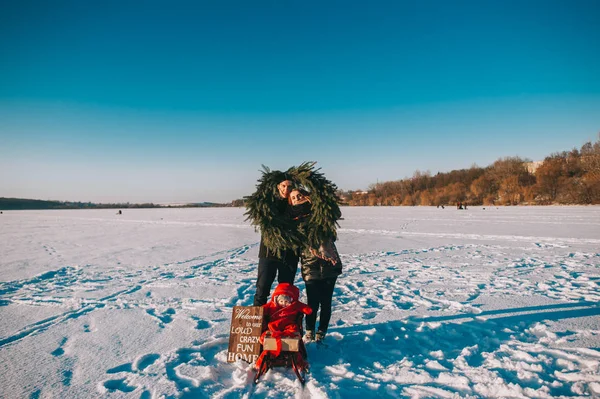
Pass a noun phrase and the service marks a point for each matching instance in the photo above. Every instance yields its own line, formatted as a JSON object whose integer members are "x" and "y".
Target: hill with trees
{"x": 568, "y": 177}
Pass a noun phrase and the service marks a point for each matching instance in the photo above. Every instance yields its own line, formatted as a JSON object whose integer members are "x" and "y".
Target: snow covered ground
{"x": 433, "y": 303}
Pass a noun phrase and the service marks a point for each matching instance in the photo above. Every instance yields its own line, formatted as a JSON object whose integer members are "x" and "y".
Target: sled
{"x": 293, "y": 354}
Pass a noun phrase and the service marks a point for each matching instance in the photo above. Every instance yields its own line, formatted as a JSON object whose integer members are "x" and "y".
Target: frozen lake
{"x": 501, "y": 302}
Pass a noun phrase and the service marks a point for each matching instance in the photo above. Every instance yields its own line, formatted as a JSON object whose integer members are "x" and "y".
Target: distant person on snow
{"x": 320, "y": 270}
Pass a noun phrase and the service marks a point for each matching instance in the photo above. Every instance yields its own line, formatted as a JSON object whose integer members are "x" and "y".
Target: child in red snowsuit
{"x": 281, "y": 313}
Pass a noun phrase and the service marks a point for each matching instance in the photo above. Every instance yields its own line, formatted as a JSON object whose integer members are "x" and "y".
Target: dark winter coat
{"x": 286, "y": 256}
{"x": 313, "y": 267}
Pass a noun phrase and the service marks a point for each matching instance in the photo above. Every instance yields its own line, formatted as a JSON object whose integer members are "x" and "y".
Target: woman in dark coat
{"x": 320, "y": 269}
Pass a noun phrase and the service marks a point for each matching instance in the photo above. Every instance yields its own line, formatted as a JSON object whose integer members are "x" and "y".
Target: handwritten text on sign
{"x": 246, "y": 327}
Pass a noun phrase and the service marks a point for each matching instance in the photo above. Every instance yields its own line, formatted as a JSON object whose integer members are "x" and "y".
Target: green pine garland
{"x": 279, "y": 232}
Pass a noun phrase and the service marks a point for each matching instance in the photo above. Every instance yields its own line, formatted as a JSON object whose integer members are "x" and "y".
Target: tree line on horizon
{"x": 7, "y": 204}
{"x": 568, "y": 177}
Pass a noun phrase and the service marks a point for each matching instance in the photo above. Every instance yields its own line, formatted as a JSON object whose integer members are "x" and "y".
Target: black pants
{"x": 267, "y": 270}
{"x": 319, "y": 292}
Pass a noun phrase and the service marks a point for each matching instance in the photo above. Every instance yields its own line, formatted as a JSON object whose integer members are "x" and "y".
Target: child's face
{"x": 284, "y": 300}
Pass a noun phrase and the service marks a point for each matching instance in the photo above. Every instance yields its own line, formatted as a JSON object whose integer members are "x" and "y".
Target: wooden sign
{"x": 246, "y": 328}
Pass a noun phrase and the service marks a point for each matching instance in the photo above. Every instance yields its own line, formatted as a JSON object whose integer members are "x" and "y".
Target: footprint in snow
{"x": 59, "y": 351}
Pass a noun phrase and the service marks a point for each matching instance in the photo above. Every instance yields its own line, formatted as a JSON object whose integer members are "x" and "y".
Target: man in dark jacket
{"x": 270, "y": 264}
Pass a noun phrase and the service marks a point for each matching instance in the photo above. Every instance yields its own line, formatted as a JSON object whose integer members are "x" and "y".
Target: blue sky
{"x": 183, "y": 101}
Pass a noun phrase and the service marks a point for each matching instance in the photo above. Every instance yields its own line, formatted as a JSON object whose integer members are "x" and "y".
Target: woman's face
{"x": 285, "y": 187}
{"x": 296, "y": 197}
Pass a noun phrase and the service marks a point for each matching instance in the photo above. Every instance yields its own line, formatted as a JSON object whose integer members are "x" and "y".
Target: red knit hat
{"x": 287, "y": 289}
